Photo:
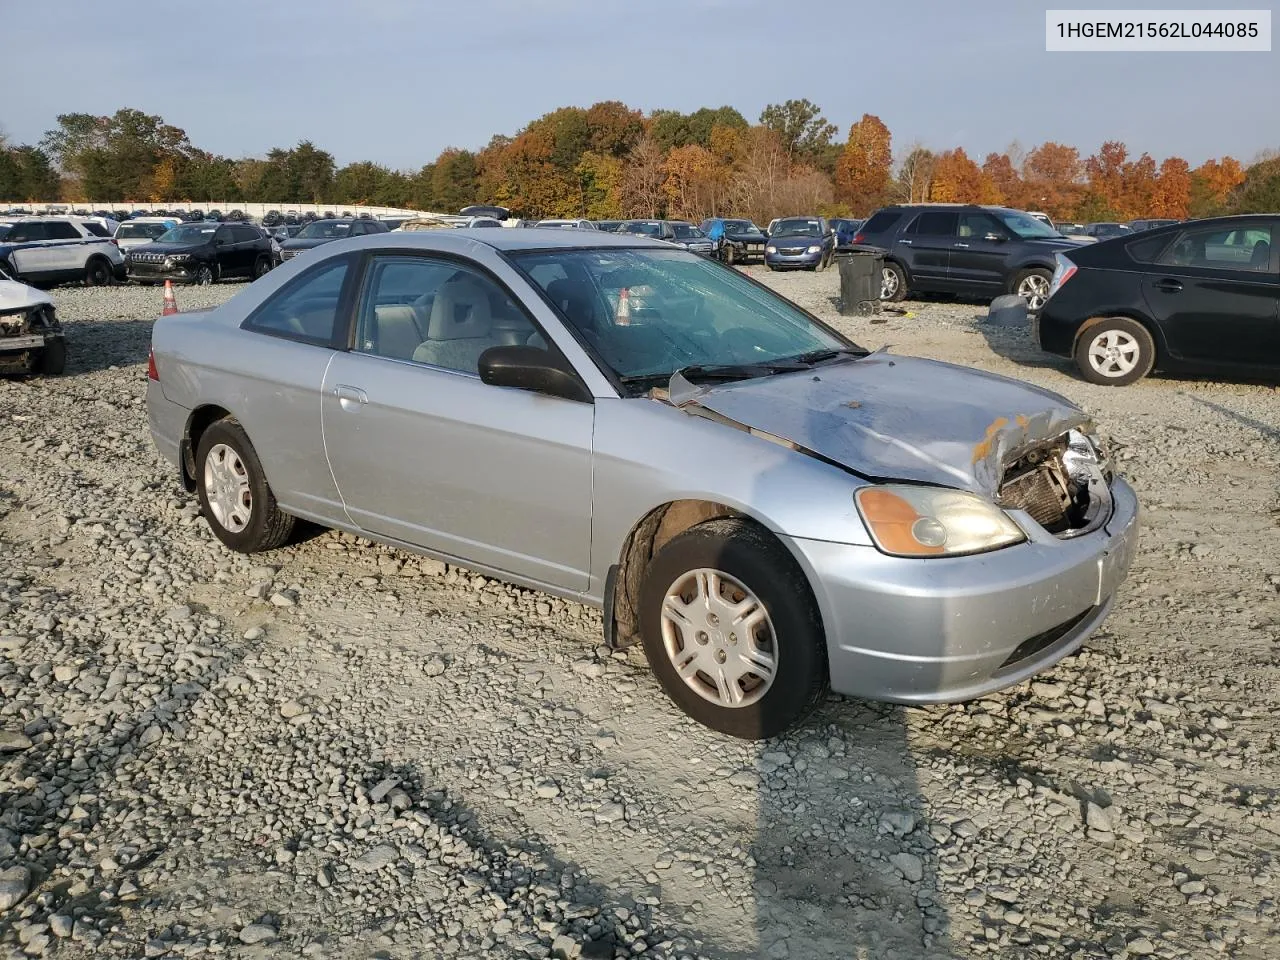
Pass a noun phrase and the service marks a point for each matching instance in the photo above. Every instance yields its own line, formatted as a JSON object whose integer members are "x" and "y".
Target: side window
{"x": 936, "y": 224}
{"x": 1217, "y": 249}
{"x": 224, "y": 235}
{"x": 246, "y": 235}
{"x": 881, "y": 221}
{"x": 979, "y": 225}
{"x": 97, "y": 229}
{"x": 27, "y": 233}
{"x": 305, "y": 310}
{"x": 437, "y": 312}
{"x": 61, "y": 230}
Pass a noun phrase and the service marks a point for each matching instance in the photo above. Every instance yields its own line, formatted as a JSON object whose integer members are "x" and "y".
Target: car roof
{"x": 513, "y": 240}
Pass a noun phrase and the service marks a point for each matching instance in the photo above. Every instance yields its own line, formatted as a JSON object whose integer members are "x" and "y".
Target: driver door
{"x": 423, "y": 452}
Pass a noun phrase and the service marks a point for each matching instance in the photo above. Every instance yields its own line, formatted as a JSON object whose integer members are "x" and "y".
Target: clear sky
{"x": 395, "y": 81}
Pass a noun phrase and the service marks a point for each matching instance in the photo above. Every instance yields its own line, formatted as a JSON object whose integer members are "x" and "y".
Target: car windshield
{"x": 1109, "y": 229}
{"x": 135, "y": 231}
{"x": 1025, "y": 226}
{"x": 741, "y": 226}
{"x": 324, "y": 230}
{"x": 644, "y": 229}
{"x": 797, "y": 228}
{"x": 681, "y": 311}
{"x": 685, "y": 231}
{"x": 189, "y": 233}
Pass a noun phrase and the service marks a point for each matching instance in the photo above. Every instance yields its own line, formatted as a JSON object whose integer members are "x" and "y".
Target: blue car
{"x": 845, "y": 229}
{"x": 804, "y": 243}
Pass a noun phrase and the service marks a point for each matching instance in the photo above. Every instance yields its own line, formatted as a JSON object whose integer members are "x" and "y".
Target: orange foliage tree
{"x": 956, "y": 178}
{"x": 1051, "y": 174}
{"x": 864, "y": 169}
{"x": 1173, "y": 189}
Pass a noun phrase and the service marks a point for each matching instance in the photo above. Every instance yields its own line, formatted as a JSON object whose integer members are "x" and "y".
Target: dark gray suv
{"x": 964, "y": 249}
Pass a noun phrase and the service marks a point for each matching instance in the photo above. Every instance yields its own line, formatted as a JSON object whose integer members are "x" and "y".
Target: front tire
{"x": 53, "y": 358}
{"x": 1115, "y": 352}
{"x": 237, "y": 502}
{"x": 97, "y": 273}
{"x": 730, "y": 254}
{"x": 204, "y": 276}
{"x": 893, "y": 283}
{"x": 731, "y": 630}
{"x": 1033, "y": 286}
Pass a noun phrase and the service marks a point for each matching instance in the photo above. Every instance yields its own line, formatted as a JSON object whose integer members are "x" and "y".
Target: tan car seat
{"x": 460, "y": 326}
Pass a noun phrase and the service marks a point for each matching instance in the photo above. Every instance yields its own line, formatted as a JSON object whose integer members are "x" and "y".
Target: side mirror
{"x": 533, "y": 369}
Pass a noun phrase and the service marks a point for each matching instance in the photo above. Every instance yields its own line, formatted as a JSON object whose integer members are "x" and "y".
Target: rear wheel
{"x": 261, "y": 266}
{"x": 893, "y": 283}
{"x": 1115, "y": 352}
{"x": 731, "y": 630}
{"x": 1032, "y": 286}
{"x": 237, "y": 502}
{"x": 97, "y": 273}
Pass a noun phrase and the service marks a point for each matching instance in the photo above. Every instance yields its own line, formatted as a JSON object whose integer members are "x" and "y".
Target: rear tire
{"x": 97, "y": 273}
{"x": 237, "y": 502}
{"x": 749, "y": 564}
{"x": 1033, "y": 286}
{"x": 893, "y": 283}
{"x": 1115, "y": 352}
{"x": 261, "y": 267}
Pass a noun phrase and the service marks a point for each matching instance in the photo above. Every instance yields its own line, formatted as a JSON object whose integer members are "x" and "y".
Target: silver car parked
{"x": 769, "y": 509}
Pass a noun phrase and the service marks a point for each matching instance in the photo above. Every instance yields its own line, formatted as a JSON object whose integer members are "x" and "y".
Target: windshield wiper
{"x": 821, "y": 356}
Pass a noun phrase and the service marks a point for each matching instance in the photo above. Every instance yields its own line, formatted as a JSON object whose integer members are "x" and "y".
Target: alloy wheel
{"x": 226, "y": 485}
{"x": 1035, "y": 290}
{"x": 1114, "y": 353}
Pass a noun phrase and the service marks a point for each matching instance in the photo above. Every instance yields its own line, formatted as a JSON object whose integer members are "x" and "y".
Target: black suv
{"x": 965, "y": 249}
{"x": 202, "y": 253}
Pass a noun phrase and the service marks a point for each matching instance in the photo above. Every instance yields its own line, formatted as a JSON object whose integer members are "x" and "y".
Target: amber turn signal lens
{"x": 891, "y": 519}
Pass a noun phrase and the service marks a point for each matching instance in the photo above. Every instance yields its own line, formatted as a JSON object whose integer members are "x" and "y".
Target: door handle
{"x": 1168, "y": 285}
{"x": 965, "y": 245}
{"x": 349, "y": 396}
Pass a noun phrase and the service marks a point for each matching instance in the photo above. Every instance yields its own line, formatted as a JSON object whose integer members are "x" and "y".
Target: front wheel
{"x": 893, "y": 283}
{"x": 1115, "y": 352}
{"x": 731, "y": 630}
{"x": 237, "y": 502}
{"x": 97, "y": 273}
{"x": 204, "y": 276}
{"x": 1033, "y": 287}
{"x": 730, "y": 254}
{"x": 53, "y": 358}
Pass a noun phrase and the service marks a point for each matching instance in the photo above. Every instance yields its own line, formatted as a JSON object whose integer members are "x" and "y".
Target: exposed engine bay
{"x": 1062, "y": 484}
{"x": 31, "y": 338}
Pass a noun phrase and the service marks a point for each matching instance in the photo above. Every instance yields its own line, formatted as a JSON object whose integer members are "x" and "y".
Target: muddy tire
{"x": 52, "y": 360}
{"x": 731, "y": 630}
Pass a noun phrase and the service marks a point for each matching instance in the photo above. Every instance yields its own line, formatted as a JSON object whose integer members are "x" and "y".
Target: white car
{"x": 58, "y": 250}
{"x": 567, "y": 224}
{"x": 140, "y": 230}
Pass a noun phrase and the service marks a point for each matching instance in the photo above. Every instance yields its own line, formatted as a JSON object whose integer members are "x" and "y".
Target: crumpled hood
{"x": 889, "y": 417}
{"x": 16, "y": 296}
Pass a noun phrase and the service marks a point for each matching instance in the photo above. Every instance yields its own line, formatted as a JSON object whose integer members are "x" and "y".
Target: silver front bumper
{"x": 947, "y": 630}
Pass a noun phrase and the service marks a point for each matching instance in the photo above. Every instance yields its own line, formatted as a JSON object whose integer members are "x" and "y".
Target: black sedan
{"x": 1198, "y": 297}
{"x": 318, "y": 232}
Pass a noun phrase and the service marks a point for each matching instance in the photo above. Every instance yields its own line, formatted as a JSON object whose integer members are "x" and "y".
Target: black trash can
{"x": 860, "y": 278}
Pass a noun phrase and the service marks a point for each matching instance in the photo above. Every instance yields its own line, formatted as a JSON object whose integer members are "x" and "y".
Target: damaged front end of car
{"x": 31, "y": 337}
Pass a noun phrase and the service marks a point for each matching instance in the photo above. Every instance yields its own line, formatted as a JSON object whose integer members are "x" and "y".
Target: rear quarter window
{"x": 882, "y": 221}
{"x": 1148, "y": 249}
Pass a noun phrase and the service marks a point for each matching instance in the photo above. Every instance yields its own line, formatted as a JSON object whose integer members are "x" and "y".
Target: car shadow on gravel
{"x": 99, "y": 345}
{"x": 1268, "y": 430}
{"x": 1014, "y": 343}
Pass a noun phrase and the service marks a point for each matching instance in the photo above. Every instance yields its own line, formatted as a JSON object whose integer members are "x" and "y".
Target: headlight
{"x": 179, "y": 257}
{"x": 771, "y": 249}
{"x": 912, "y": 521}
{"x": 815, "y": 249}
{"x": 168, "y": 263}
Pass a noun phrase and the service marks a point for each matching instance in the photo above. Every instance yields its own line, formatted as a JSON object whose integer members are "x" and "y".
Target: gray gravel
{"x": 409, "y": 760}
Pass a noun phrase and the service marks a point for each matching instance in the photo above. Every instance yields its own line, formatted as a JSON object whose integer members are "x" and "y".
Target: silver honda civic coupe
{"x": 768, "y": 508}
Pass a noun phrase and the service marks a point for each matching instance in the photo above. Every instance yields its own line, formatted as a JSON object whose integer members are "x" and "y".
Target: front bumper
{"x": 156, "y": 272}
{"x": 947, "y": 630}
{"x": 796, "y": 260}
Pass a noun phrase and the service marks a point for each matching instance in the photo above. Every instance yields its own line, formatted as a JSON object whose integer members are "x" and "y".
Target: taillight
{"x": 152, "y": 372}
{"x": 859, "y": 237}
{"x": 1063, "y": 271}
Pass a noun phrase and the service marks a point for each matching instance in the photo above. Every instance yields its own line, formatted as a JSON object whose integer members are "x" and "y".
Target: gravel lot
{"x": 337, "y": 750}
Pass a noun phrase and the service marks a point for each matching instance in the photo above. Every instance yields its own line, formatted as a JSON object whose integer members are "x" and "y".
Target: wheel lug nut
{"x": 702, "y": 637}
{"x": 720, "y": 656}
{"x": 712, "y": 619}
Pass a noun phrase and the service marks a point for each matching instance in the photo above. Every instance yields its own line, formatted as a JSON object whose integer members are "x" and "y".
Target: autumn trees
{"x": 609, "y": 160}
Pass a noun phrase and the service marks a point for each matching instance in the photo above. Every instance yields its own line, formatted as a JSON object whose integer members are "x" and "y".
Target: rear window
{"x": 97, "y": 229}
{"x": 882, "y": 221}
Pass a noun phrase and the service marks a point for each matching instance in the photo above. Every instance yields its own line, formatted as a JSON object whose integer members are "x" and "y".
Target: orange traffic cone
{"x": 170, "y": 302}
{"x": 623, "y": 315}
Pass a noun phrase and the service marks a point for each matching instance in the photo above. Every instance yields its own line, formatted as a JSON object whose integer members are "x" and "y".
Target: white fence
{"x": 226, "y": 206}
